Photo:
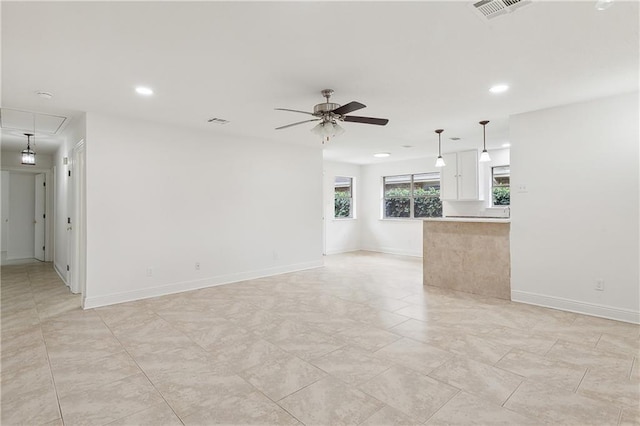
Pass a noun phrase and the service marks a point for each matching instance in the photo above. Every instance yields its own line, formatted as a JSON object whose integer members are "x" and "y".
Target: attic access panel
{"x": 23, "y": 121}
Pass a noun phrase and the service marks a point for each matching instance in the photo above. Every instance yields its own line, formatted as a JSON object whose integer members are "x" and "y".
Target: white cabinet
{"x": 459, "y": 179}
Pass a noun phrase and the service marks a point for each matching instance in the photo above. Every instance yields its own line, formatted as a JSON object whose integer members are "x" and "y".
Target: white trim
{"x": 392, "y": 250}
{"x": 592, "y": 309}
{"x": 60, "y": 274}
{"x": 340, "y": 251}
{"x": 111, "y": 299}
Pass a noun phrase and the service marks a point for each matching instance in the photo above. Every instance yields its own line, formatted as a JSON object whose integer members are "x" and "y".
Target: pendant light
{"x": 440, "y": 161}
{"x": 484, "y": 156}
{"x": 29, "y": 155}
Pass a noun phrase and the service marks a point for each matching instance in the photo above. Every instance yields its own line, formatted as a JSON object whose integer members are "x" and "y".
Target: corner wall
{"x": 161, "y": 198}
{"x": 341, "y": 235}
{"x": 72, "y": 134}
{"x": 574, "y": 206}
{"x": 394, "y": 236}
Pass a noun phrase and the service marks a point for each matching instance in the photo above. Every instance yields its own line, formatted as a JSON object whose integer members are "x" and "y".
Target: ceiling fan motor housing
{"x": 324, "y": 108}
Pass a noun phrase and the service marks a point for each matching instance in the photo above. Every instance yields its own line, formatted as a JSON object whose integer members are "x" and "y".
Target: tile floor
{"x": 359, "y": 341}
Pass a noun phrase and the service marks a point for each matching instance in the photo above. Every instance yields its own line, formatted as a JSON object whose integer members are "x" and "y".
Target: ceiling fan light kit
{"x": 329, "y": 114}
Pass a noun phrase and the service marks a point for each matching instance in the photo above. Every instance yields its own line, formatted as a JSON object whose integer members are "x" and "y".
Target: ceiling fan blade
{"x": 293, "y": 110}
{"x": 347, "y": 108}
{"x": 295, "y": 124}
{"x": 366, "y": 120}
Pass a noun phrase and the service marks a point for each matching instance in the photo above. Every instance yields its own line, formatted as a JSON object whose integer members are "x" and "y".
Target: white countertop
{"x": 470, "y": 219}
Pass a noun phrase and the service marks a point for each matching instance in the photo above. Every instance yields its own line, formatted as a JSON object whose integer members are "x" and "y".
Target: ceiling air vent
{"x": 489, "y": 9}
{"x": 217, "y": 121}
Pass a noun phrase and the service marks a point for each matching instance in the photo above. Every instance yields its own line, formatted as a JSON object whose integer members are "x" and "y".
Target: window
{"x": 500, "y": 190}
{"x": 412, "y": 196}
{"x": 343, "y": 197}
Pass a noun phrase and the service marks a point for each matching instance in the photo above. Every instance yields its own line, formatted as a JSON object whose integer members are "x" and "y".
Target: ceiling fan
{"x": 329, "y": 113}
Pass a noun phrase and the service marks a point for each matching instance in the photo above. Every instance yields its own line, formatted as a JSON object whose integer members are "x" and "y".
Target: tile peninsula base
{"x": 473, "y": 256}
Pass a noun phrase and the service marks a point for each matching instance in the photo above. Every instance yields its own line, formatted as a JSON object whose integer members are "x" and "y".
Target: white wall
{"x": 395, "y": 236}
{"x": 73, "y": 133}
{"x": 161, "y": 198}
{"x": 342, "y": 235}
{"x": 574, "y": 203}
{"x": 12, "y": 163}
{"x": 20, "y": 238}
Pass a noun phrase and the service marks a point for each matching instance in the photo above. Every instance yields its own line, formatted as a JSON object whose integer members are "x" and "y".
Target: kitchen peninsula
{"x": 468, "y": 254}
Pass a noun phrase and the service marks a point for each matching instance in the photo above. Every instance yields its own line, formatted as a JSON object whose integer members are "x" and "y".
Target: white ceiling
{"x": 422, "y": 65}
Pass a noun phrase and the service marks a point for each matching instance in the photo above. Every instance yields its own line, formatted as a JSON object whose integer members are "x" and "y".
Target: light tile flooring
{"x": 359, "y": 341}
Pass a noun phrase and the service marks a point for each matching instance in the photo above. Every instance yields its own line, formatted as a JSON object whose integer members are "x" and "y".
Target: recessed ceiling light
{"x": 407, "y": 146}
{"x": 603, "y": 4}
{"x": 506, "y": 145}
{"x": 455, "y": 138}
{"x": 144, "y": 91}
{"x": 499, "y": 88}
{"x": 381, "y": 154}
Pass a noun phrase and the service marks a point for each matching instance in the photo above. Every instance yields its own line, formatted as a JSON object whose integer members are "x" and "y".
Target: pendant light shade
{"x": 28, "y": 155}
{"x": 484, "y": 156}
{"x": 440, "y": 161}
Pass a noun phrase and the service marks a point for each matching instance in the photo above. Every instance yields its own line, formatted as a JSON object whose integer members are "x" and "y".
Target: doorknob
{"x": 68, "y": 228}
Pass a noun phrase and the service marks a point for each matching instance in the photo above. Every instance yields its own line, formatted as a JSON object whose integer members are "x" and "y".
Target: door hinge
{"x": 42, "y": 248}
{"x": 69, "y": 173}
{"x": 44, "y": 216}
{"x": 44, "y": 183}
{"x": 69, "y": 220}
{"x": 67, "y": 267}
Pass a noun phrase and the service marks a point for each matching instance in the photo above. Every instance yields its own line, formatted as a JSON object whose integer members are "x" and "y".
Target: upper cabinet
{"x": 460, "y": 179}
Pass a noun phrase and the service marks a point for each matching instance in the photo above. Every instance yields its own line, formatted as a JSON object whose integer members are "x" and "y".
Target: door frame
{"x": 40, "y": 207}
{"x": 49, "y": 210}
{"x": 76, "y": 210}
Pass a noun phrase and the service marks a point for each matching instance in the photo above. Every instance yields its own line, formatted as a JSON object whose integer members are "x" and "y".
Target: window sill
{"x": 343, "y": 219}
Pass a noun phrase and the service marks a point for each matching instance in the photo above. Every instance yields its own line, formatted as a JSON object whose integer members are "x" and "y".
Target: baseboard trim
{"x": 391, "y": 250}
{"x": 60, "y": 274}
{"x": 592, "y": 309}
{"x": 341, "y": 251}
{"x": 163, "y": 290}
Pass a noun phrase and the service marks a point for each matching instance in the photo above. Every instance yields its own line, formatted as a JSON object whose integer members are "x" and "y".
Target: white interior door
{"x": 39, "y": 217}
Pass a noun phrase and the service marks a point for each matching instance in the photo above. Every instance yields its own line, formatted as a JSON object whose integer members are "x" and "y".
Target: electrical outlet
{"x": 197, "y": 266}
{"x": 149, "y": 272}
{"x": 600, "y": 285}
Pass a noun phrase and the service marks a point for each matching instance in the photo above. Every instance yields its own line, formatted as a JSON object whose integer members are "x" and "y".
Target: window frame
{"x": 351, "y": 186}
{"x": 411, "y": 197}
{"x": 493, "y": 185}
